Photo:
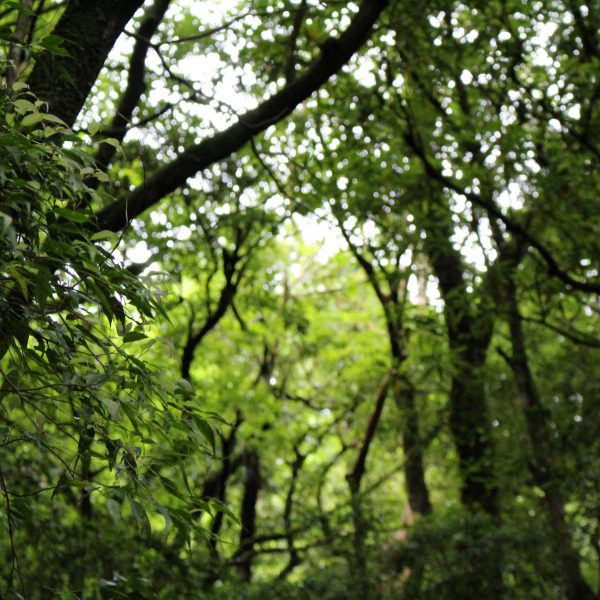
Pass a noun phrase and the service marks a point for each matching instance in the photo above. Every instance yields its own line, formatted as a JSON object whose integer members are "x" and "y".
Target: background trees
{"x": 299, "y": 299}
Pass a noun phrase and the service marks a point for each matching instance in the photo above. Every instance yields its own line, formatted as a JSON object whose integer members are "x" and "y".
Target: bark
{"x": 294, "y": 559}
{"x": 335, "y": 53}
{"x": 412, "y": 444}
{"x": 469, "y": 334}
{"x": 469, "y": 329}
{"x": 354, "y": 479}
{"x": 89, "y": 29}
{"x": 544, "y": 470}
{"x": 252, "y": 485}
{"x": 403, "y": 393}
{"x": 15, "y": 55}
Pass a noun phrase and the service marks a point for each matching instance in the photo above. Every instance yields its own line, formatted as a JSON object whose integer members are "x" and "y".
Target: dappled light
{"x": 299, "y": 300}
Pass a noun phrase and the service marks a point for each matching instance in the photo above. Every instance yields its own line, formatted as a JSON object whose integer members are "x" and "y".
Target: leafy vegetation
{"x": 299, "y": 299}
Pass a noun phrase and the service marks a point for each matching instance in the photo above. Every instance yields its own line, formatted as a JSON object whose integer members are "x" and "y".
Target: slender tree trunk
{"x": 354, "y": 479}
{"x": 402, "y": 390}
{"x": 469, "y": 334}
{"x": 469, "y": 328}
{"x": 470, "y": 426}
{"x": 16, "y": 51}
{"x": 252, "y": 485}
{"x": 216, "y": 488}
{"x": 414, "y": 470}
{"x": 404, "y": 398}
{"x": 294, "y": 559}
{"x": 545, "y": 472}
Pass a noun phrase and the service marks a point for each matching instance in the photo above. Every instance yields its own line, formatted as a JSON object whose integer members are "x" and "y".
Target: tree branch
{"x": 335, "y": 52}
{"x": 136, "y": 82}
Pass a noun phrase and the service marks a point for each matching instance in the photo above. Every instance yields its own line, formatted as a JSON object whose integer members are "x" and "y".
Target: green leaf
{"x": 53, "y": 119}
{"x": 167, "y": 517}
{"x": 53, "y": 43}
{"x": 141, "y": 517}
{"x": 21, "y": 281}
{"x": 95, "y": 378}
{"x": 206, "y": 430}
{"x": 32, "y": 119}
{"x": 112, "y": 142}
{"x": 184, "y": 385}
{"x": 134, "y": 336}
{"x": 72, "y": 215}
{"x": 101, "y": 176}
{"x": 114, "y": 509}
{"x": 105, "y": 234}
{"x": 24, "y": 106}
{"x": 171, "y": 487}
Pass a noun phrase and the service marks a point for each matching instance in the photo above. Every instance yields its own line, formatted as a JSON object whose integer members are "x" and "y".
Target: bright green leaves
{"x": 97, "y": 420}
{"x": 134, "y": 336}
{"x": 72, "y": 215}
{"x": 33, "y": 113}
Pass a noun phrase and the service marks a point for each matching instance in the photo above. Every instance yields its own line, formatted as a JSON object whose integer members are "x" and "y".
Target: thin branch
{"x": 512, "y": 225}
{"x": 290, "y": 67}
{"x": 13, "y": 552}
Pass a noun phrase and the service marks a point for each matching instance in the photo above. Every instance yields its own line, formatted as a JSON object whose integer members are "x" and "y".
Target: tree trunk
{"x": 469, "y": 328}
{"x": 414, "y": 470}
{"x": 354, "y": 479}
{"x": 16, "y": 50}
{"x": 89, "y": 29}
{"x": 544, "y": 470}
{"x": 469, "y": 334}
{"x": 252, "y": 485}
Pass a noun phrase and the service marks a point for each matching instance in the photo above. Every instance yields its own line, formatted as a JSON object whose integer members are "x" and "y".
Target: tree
{"x": 195, "y": 396}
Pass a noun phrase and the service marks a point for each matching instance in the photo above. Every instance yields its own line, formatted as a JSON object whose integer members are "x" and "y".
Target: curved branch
{"x": 354, "y": 478}
{"x": 335, "y": 53}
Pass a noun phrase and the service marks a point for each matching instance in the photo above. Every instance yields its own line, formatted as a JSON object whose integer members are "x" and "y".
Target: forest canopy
{"x": 299, "y": 299}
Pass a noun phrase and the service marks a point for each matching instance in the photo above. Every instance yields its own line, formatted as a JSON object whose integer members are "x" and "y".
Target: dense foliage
{"x": 299, "y": 299}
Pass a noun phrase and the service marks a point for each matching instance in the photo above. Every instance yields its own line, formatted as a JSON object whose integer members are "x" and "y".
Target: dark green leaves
{"x": 54, "y": 44}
